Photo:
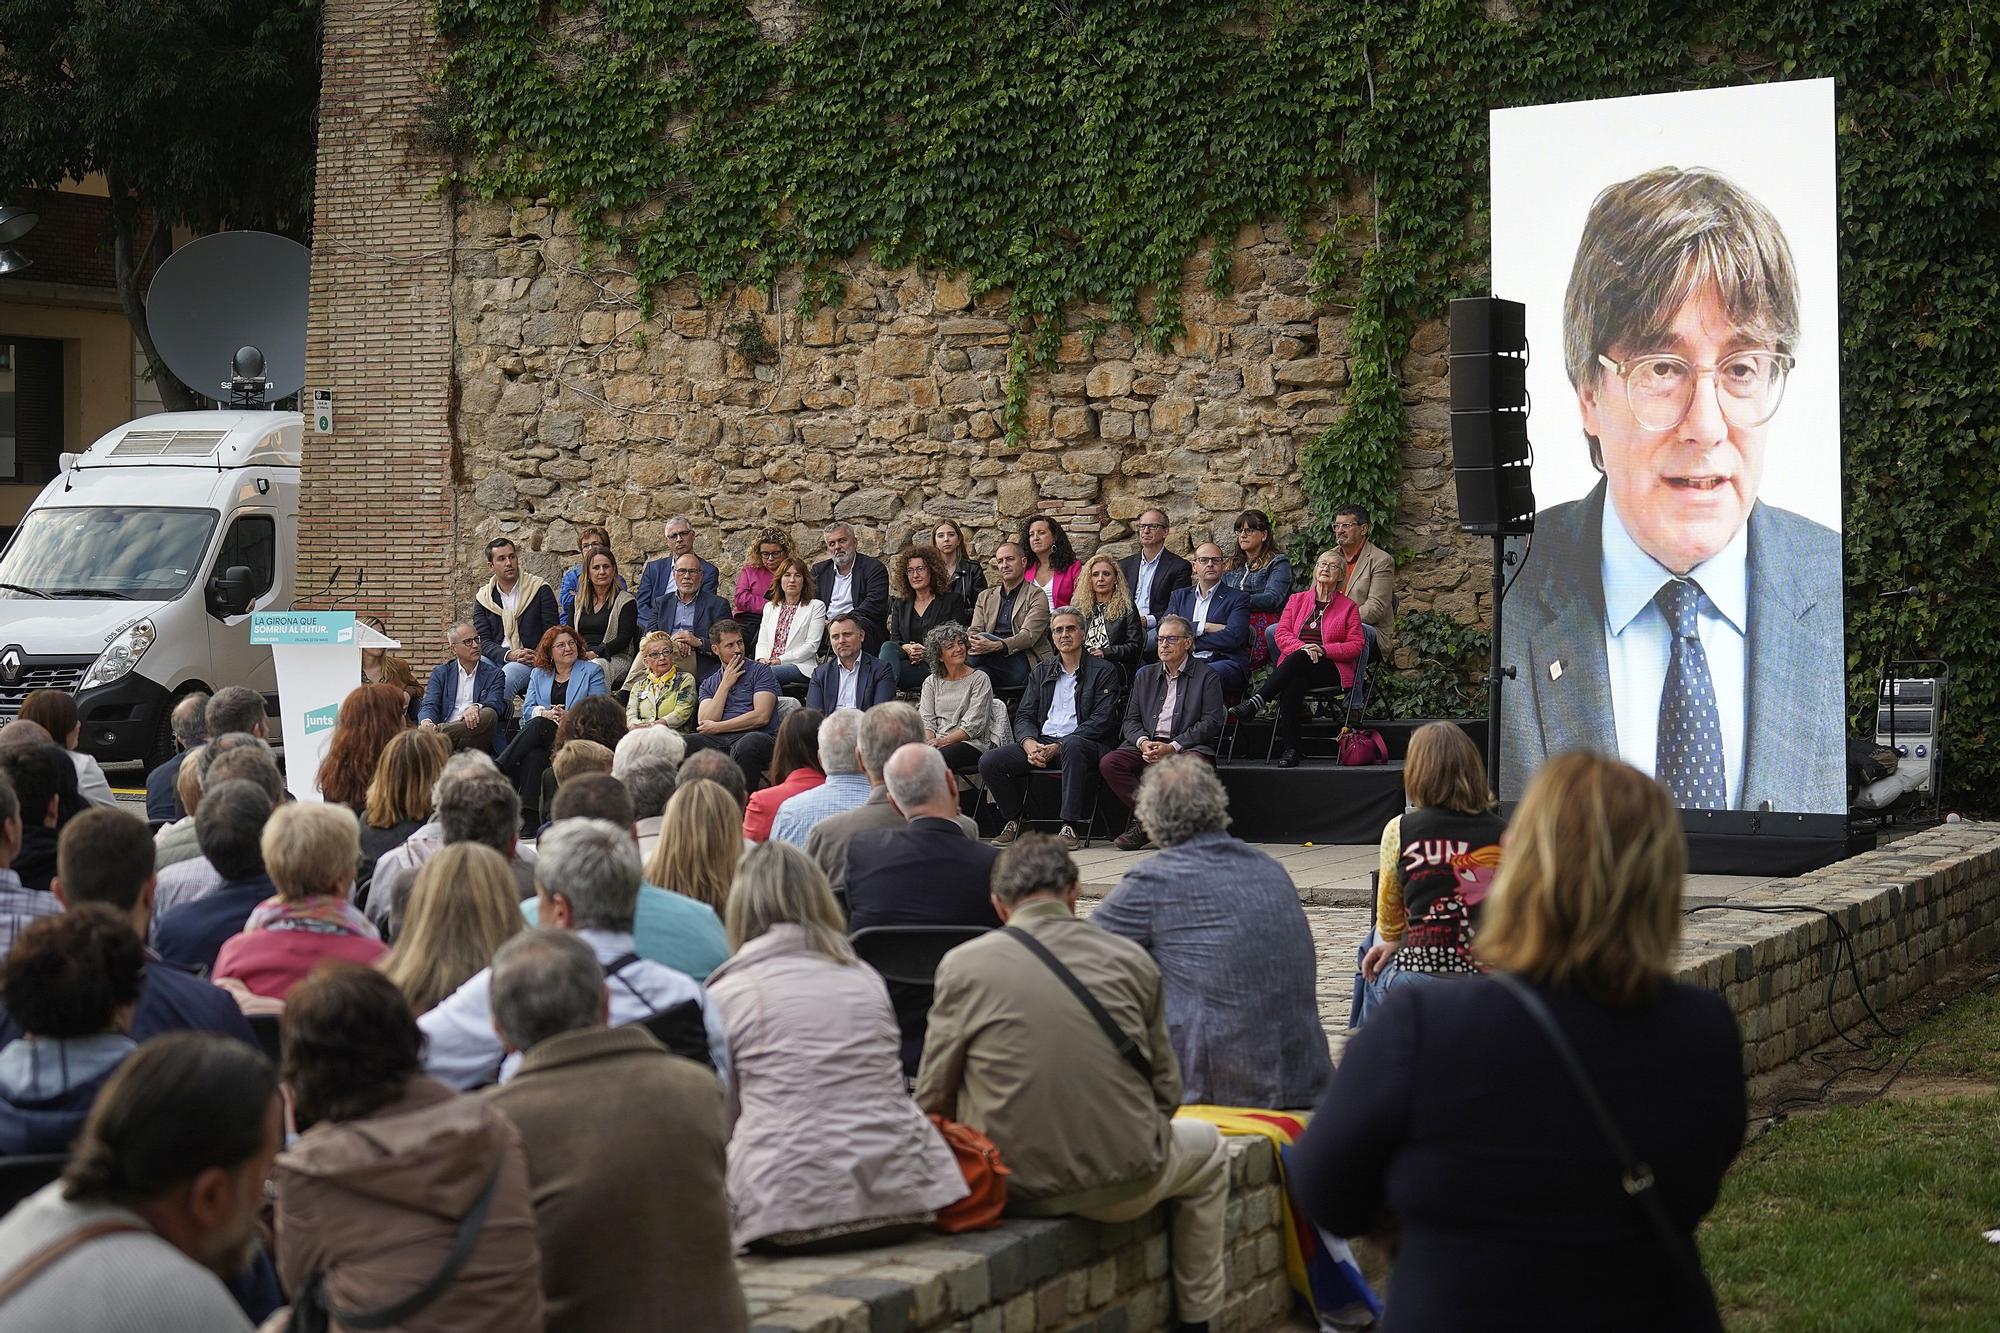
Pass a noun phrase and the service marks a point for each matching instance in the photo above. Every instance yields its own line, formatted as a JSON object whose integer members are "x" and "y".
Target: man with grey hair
{"x": 1086, "y": 1122}
{"x": 234, "y": 757}
{"x": 1222, "y": 922}
{"x": 1175, "y": 707}
{"x": 930, "y": 872}
{"x": 466, "y": 695}
{"x": 470, "y": 802}
{"x": 613, "y": 1128}
{"x": 852, "y": 583}
{"x": 189, "y": 722}
{"x": 846, "y": 786}
{"x": 650, "y": 782}
{"x": 235, "y": 708}
{"x": 1066, "y": 720}
{"x": 882, "y": 731}
{"x": 586, "y": 880}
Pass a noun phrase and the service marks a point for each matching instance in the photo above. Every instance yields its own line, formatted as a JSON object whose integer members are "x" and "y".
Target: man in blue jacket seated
{"x": 850, "y": 678}
{"x": 466, "y": 695}
{"x": 230, "y": 828}
{"x": 1221, "y": 619}
{"x": 683, "y": 607}
{"x": 106, "y": 856}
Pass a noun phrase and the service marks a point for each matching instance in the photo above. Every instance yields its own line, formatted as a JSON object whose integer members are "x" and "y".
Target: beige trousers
{"x": 1196, "y": 1179}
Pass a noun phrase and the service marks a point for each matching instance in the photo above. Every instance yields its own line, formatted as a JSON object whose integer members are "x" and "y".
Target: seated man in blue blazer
{"x": 1221, "y": 619}
{"x": 850, "y": 678}
{"x": 467, "y": 693}
{"x": 685, "y": 611}
{"x": 1068, "y": 717}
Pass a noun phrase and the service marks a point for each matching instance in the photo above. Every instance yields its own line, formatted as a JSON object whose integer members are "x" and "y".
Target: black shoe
{"x": 1248, "y": 709}
{"x": 1132, "y": 839}
{"x": 1290, "y": 757}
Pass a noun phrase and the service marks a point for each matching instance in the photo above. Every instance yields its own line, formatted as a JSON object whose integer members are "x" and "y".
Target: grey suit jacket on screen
{"x": 1795, "y": 723}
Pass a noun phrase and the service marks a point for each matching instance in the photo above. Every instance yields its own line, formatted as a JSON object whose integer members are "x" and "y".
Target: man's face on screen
{"x": 1683, "y": 492}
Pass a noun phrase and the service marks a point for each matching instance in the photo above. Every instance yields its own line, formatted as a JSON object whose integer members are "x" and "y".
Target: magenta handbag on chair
{"x": 1358, "y": 749}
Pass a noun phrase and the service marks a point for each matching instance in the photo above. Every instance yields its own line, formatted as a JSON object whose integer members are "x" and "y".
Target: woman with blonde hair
{"x": 399, "y": 799}
{"x": 1436, "y": 864}
{"x": 1461, "y": 1111}
{"x": 661, "y": 691}
{"x": 701, "y": 840}
{"x": 1112, "y": 629}
{"x": 827, "y": 1149}
{"x": 462, "y": 908}
{"x": 310, "y": 850}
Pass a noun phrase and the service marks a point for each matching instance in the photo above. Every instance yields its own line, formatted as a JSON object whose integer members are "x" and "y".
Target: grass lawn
{"x": 1869, "y": 1216}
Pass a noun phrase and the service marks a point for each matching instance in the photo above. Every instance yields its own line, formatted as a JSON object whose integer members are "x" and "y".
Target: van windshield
{"x": 110, "y": 553}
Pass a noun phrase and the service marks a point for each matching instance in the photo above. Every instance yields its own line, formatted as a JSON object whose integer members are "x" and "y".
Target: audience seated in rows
{"x": 55, "y": 712}
{"x": 671, "y": 928}
{"x": 956, "y": 704}
{"x": 1436, "y": 867}
{"x": 230, "y": 824}
{"x": 1051, "y": 565}
{"x": 560, "y": 681}
{"x": 70, "y": 984}
{"x": 467, "y": 697}
{"x": 372, "y": 1194}
{"x": 190, "y": 729}
{"x": 511, "y": 612}
{"x": 660, "y": 691}
{"x": 1153, "y": 573}
{"x": 844, "y": 788}
{"x": 1066, "y": 721}
{"x": 310, "y": 850}
{"x": 105, "y": 858}
{"x": 738, "y": 711}
{"x": 926, "y": 871}
{"x": 1222, "y": 922}
{"x": 827, "y": 1150}
{"x": 1263, "y": 574}
{"x": 883, "y": 730}
{"x": 462, "y": 907}
{"x": 398, "y": 801}
{"x": 1220, "y": 617}
{"x": 794, "y": 769}
{"x": 1454, "y": 1112}
{"x": 793, "y": 625}
{"x": 1112, "y": 629}
{"x": 368, "y": 719}
{"x": 616, "y": 1132}
{"x": 232, "y": 756}
{"x": 587, "y": 880}
{"x": 1010, "y": 624}
{"x": 924, "y": 599}
{"x": 160, "y": 1198}
{"x": 1086, "y": 1127}
{"x": 1319, "y": 643}
{"x": 850, "y": 678}
{"x": 1174, "y": 707}
{"x": 850, "y": 581}
{"x": 472, "y": 803}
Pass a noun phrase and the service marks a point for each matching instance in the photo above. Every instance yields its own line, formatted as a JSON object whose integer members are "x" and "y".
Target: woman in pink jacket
{"x": 311, "y": 849}
{"x": 1052, "y": 563}
{"x": 1319, "y": 641}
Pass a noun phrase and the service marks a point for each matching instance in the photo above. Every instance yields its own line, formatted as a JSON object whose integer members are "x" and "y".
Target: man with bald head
{"x": 1220, "y": 617}
{"x": 927, "y": 873}
{"x": 466, "y": 695}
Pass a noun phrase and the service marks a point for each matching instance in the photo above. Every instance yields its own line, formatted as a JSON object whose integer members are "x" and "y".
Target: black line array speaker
{"x": 1491, "y": 456}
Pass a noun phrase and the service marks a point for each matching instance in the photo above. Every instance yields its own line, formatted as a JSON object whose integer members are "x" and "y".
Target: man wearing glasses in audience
{"x": 1175, "y": 707}
{"x": 656, "y": 580}
{"x": 1154, "y": 574}
{"x": 1670, "y": 617}
{"x": 466, "y": 695}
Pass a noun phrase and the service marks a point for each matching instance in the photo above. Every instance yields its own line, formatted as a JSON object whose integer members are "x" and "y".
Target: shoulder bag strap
{"x": 38, "y": 1263}
{"x": 469, "y": 1227}
{"x": 615, "y": 969}
{"x": 1635, "y": 1176}
{"x": 1127, "y": 1048}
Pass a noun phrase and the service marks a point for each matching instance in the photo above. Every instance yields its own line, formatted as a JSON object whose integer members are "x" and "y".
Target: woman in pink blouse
{"x": 753, "y": 582}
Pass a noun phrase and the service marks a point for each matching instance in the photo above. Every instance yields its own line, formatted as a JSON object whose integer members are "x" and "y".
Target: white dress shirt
{"x": 1638, "y": 643}
{"x": 466, "y": 694}
{"x": 1200, "y": 617}
{"x": 850, "y": 682}
{"x": 842, "y": 598}
{"x": 1142, "y": 595}
{"x": 1061, "y": 720}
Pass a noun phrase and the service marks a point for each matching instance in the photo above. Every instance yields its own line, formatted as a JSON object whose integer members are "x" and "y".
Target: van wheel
{"x": 162, "y": 747}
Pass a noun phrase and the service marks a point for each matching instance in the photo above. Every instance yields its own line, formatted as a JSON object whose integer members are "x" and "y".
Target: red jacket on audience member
{"x": 1339, "y": 630}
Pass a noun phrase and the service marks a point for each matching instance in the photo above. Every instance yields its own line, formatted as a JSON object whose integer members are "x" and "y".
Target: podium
{"x": 318, "y": 658}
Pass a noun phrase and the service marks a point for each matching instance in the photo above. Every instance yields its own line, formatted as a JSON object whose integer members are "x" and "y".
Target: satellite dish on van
{"x": 231, "y": 293}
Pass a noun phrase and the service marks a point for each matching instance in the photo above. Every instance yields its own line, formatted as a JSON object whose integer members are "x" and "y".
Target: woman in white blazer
{"x": 794, "y": 624}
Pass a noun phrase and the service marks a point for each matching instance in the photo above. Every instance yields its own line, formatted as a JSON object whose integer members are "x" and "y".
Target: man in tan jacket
{"x": 1370, "y": 580}
{"x": 1010, "y": 622}
{"x": 1012, "y": 1051}
{"x": 621, "y": 1135}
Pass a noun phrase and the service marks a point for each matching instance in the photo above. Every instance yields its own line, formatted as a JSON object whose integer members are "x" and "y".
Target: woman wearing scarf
{"x": 310, "y": 852}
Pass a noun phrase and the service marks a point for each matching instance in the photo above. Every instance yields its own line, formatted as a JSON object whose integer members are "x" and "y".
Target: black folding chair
{"x": 22, "y": 1176}
{"x": 908, "y": 958}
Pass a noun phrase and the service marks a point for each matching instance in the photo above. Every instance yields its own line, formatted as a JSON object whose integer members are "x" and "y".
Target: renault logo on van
{"x": 10, "y": 665}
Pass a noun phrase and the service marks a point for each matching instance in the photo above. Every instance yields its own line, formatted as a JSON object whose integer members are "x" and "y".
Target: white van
{"x": 131, "y": 579}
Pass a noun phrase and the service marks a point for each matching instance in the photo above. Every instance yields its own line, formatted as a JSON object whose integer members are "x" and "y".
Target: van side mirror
{"x": 229, "y": 592}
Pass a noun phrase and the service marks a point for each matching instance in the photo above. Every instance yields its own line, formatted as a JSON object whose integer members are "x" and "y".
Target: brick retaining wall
{"x": 1914, "y": 910}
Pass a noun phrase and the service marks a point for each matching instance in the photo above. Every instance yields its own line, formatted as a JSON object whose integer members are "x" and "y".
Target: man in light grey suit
{"x": 1670, "y": 617}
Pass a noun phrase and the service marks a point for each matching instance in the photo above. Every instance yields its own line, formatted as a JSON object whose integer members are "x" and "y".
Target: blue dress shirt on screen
{"x": 1638, "y": 642}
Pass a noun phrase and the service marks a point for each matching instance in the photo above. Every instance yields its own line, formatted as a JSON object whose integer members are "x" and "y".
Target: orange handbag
{"x": 985, "y": 1179}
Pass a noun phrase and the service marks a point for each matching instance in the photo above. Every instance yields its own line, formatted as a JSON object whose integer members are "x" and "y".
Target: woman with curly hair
{"x": 561, "y": 678}
{"x": 922, "y": 600}
{"x": 1052, "y": 563}
{"x": 958, "y": 560}
{"x": 957, "y": 701}
{"x": 70, "y": 984}
{"x": 369, "y": 718}
{"x": 769, "y": 549}
{"x": 1112, "y": 629}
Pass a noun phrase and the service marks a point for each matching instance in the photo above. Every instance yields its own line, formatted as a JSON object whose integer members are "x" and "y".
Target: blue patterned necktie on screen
{"x": 1689, "y": 759}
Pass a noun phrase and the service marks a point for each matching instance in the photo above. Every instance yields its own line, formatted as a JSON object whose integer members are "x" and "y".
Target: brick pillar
{"x": 377, "y": 493}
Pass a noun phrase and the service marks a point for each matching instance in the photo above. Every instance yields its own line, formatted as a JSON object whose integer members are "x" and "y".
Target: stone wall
{"x": 1026, "y": 1276}
{"x": 886, "y": 410}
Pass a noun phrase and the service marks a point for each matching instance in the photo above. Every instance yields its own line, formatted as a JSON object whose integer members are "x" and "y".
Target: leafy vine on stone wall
{"x": 1073, "y": 155}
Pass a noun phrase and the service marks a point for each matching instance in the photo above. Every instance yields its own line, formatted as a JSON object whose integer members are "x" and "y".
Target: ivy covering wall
{"x": 1078, "y": 152}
